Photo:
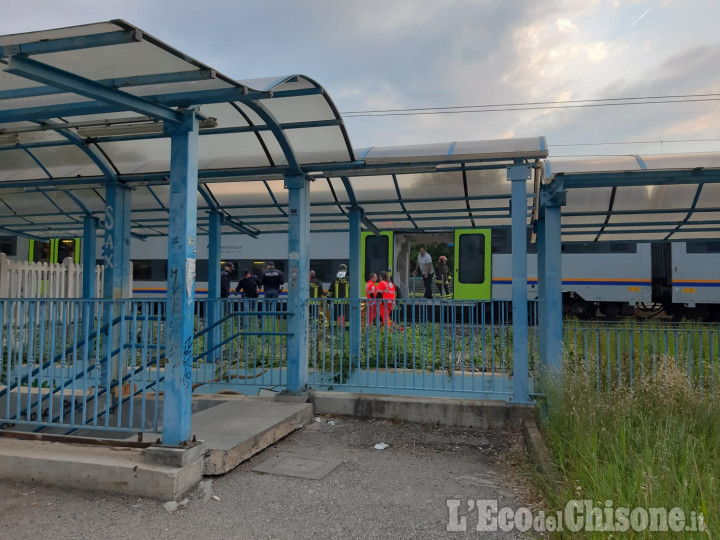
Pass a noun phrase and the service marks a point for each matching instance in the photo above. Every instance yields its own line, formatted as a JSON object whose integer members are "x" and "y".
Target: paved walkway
{"x": 399, "y": 492}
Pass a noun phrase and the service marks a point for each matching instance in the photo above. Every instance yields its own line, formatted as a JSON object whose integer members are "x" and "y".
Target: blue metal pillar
{"x": 116, "y": 278}
{"x": 90, "y": 225}
{"x": 542, "y": 282}
{"x": 356, "y": 216}
{"x": 181, "y": 280}
{"x": 116, "y": 248}
{"x": 298, "y": 281}
{"x": 553, "y": 331}
{"x": 518, "y": 175}
{"x": 213, "y": 308}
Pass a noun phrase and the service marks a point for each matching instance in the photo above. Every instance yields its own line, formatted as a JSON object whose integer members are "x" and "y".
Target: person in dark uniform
{"x": 228, "y": 267}
{"x": 340, "y": 289}
{"x": 272, "y": 280}
{"x": 248, "y": 284}
{"x": 442, "y": 277}
{"x": 316, "y": 287}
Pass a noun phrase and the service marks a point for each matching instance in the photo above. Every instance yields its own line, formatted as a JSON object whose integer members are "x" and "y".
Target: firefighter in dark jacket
{"x": 340, "y": 290}
{"x": 442, "y": 277}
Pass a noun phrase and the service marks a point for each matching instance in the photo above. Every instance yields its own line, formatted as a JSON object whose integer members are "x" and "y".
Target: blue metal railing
{"x": 80, "y": 365}
{"x": 627, "y": 353}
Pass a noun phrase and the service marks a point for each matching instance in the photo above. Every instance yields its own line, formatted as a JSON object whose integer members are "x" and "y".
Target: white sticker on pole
{"x": 189, "y": 276}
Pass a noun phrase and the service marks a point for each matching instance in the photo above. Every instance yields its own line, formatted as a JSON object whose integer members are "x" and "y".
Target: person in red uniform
{"x": 370, "y": 293}
{"x": 386, "y": 291}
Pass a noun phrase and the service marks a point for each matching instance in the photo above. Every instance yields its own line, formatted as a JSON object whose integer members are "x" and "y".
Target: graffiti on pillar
{"x": 108, "y": 248}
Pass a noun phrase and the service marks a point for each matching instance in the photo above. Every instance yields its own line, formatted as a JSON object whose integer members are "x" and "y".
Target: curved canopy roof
{"x": 648, "y": 198}
{"x": 84, "y": 107}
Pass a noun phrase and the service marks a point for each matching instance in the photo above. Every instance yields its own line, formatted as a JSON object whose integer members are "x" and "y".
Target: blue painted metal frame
{"x": 518, "y": 175}
{"x": 298, "y": 281}
{"x": 356, "y": 278}
{"x": 90, "y": 225}
{"x": 45, "y": 74}
{"x": 181, "y": 280}
{"x": 214, "y": 249}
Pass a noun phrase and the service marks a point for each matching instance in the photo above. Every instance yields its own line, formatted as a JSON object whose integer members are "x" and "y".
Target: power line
{"x": 538, "y": 105}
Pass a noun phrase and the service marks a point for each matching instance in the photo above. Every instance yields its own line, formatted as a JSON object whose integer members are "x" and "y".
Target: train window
{"x": 66, "y": 248}
{"x": 376, "y": 254}
{"x": 8, "y": 245}
{"x": 472, "y": 257}
{"x": 150, "y": 270}
{"x": 501, "y": 242}
{"x": 326, "y": 269}
{"x": 201, "y": 270}
{"x": 599, "y": 247}
{"x": 703, "y": 246}
{"x": 41, "y": 251}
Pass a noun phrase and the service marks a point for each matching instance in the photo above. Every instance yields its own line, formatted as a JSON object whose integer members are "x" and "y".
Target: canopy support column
{"x": 181, "y": 280}
{"x": 116, "y": 278}
{"x": 518, "y": 175}
{"x": 298, "y": 281}
{"x": 213, "y": 307}
{"x": 550, "y": 285}
{"x": 356, "y": 217}
{"x": 89, "y": 254}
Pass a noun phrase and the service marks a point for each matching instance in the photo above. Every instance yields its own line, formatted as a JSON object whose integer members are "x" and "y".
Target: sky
{"x": 398, "y": 54}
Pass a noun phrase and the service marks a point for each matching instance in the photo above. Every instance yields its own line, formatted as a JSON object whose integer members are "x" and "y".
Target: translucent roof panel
{"x": 492, "y": 150}
{"x": 668, "y": 192}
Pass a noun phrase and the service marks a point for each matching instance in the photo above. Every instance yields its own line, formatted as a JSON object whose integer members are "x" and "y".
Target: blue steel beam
{"x": 90, "y": 226}
{"x": 181, "y": 280}
{"x": 119, "y": 37}
{"x": 180, "y": 99}
{"x": 45, "y": 74}
{"x": 298, "y": 281}
{"x": 119, "y": 82}
{"x": 518, "y": 176}
{"x": 637, "y": 178}
{"x": 214, "y": 248}
{"x": 356, "y": 278}
{"x": 553, "y": 276}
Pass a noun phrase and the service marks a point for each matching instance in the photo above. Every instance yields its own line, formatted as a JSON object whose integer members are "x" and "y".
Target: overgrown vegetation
{"x": 655, "y": 445}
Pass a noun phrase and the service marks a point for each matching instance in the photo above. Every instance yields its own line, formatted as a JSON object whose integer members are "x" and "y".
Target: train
{"x": 610, "y": 279}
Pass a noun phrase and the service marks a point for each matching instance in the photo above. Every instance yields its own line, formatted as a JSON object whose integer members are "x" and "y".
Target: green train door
{"x": 55, "y": 250}
{"x": 472, "y": 273}
{"x": 376, "y": 255}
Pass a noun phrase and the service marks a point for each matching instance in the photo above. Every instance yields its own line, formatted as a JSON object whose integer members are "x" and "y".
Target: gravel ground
{"x": 399, "y": 492}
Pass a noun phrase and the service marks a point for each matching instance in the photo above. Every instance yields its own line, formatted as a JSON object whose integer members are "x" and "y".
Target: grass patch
{"x": 655, "y": 445}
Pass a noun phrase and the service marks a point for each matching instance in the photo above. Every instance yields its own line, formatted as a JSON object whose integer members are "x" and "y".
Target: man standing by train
{"x": 424, "y": 263}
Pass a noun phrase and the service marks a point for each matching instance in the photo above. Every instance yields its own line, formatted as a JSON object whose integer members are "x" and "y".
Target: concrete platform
{"x": 121, "y": 470}
{"x": 238, "y": 429}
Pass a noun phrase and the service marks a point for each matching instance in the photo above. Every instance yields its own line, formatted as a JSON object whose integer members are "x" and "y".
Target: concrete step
{"x": 117, "y": 469}
{"x": 236, "y": 430}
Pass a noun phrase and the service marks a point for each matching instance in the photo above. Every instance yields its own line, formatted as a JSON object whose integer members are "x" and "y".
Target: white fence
{"x": 22, "y": 279}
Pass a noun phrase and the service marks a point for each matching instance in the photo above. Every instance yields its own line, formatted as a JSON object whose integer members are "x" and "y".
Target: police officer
{"x": 272, "y": 280}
